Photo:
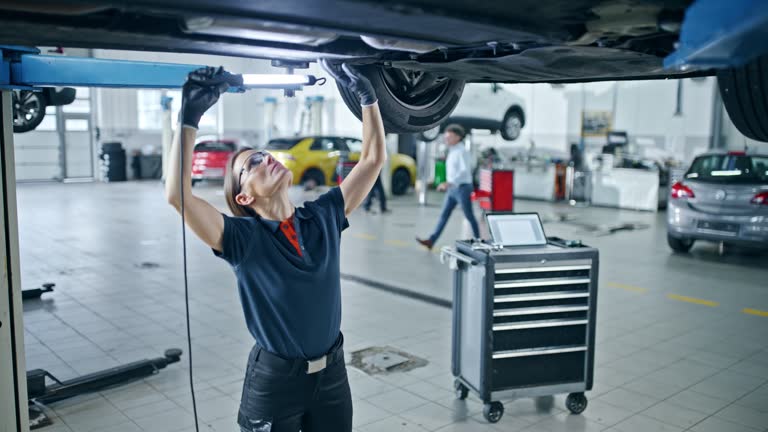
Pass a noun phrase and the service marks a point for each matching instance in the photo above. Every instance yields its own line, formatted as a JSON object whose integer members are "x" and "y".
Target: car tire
{"x": 682, "y": 245}
{"x": 401, "y": 181}
{"x": 406, "y": 103}
{"x": 512, "y": 124}
{"x": 28, "y": 110}
{"x": 744, "y": 91}
{"x": 312, "y": 178}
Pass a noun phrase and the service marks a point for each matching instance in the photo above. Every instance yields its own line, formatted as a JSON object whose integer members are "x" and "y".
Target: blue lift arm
{"x": 721, "y": 34}
{"x": 24, "y": 68}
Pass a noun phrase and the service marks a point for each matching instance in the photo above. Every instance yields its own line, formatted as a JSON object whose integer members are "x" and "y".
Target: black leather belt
{"x": 301, "y": 366}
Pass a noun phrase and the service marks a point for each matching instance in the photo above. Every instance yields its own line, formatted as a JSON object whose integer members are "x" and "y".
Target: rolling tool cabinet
{"x": 523, "y": 321}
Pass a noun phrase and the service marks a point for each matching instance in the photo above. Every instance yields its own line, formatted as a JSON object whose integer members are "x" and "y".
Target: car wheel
{"x": 682, "y": 245}
{"x": 312, "y": 178}
{"x": 511, "y": 125}
{"x": 401, "y": 181}
{"x": 430, "y": 135}
{"x": 28, "y": 110}
{"x": 409, "y": 101}
{"x": 745, "y": 95}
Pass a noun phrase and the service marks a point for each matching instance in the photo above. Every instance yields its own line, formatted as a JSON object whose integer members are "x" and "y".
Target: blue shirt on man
{"x": 292, "y": 303}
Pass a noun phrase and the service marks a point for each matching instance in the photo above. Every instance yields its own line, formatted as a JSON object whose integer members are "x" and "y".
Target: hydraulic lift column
{"x": 13, "y": 384}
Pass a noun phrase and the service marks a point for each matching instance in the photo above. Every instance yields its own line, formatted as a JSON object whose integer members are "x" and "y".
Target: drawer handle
{"x": 542, "y": 269}
{"x": 536, "y": 297}
{"x": 540, "y": 324}
{"x": 534, "y": 283}
{"x": 535, "y": 352}
{"x": 539, "y": 310}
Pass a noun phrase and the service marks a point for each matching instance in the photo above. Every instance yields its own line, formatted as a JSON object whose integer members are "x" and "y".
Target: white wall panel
{"x": 118, "y": 109}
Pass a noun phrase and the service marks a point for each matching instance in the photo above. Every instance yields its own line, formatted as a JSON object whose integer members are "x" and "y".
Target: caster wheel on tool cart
{"x": 493, "y": 411}
{"x": 461, "y": 390}
{"x": 576, "y": 403}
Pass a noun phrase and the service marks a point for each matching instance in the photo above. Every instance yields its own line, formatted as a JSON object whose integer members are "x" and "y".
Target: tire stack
{"x": 113, "y": 160}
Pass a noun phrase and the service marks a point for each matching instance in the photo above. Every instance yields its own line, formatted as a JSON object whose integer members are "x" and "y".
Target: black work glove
{"x": 351, "y": 78}
{"x": 202, "y": 91}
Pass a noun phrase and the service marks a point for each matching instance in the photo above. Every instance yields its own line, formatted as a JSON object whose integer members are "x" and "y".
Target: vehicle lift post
{"x": 23, "y": 68}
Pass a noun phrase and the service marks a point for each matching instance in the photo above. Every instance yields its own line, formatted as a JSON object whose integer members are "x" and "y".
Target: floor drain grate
{"x": 385, "y": 360}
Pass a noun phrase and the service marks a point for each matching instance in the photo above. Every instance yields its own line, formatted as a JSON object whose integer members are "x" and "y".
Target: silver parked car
{"x": 723, "y": 197}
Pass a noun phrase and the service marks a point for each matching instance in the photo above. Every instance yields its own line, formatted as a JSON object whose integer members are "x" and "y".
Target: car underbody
{"x": 479, "y": 41}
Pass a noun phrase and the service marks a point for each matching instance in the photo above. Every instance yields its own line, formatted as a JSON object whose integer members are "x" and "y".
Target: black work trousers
{"x": 280, "y": 396}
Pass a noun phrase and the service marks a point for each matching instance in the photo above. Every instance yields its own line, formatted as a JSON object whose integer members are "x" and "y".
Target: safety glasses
{"x": 254, "y": 160}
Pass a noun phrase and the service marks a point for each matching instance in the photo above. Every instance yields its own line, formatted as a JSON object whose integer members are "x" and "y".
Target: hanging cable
{"x": 184, "y": 261}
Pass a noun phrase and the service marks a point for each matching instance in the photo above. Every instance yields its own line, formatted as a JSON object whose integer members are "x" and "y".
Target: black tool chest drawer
{"x": 538, "y": 370}
{"x": 512, "y": 338}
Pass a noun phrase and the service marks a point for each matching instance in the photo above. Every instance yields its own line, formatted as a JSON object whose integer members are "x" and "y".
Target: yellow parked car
{"x": 312, "y": 160}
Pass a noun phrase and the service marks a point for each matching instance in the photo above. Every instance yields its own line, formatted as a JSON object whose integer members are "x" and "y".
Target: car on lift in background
{"x": 29, "y": 106}
{"x": 488, "y": 107}
{"x": 313, "y": 160}
{"x": 723, "y": 197}
{"x": 419, "y": 54}
{"x": 209, "y": 158}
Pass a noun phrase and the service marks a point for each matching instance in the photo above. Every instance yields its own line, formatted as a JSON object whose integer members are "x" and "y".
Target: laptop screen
{"x": 521, "y": 229}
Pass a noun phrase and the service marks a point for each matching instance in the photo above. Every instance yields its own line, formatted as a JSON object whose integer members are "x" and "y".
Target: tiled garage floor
{"x": 675, "y": 351}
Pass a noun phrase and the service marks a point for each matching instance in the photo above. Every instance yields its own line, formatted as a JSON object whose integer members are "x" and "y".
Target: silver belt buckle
{"x": 316, "y": 365}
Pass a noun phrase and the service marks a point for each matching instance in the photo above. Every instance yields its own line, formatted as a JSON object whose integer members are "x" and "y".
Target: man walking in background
{"x": 378, "y": 189}
{"x": 458, "y": 172}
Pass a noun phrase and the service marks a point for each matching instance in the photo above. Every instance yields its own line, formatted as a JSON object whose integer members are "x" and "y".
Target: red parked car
{"x": 209, "y": 159}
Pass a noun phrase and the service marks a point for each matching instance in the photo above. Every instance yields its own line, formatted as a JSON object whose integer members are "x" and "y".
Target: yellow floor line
{"x": 693, "y": 300}
{"x": 755, "y": 312}
{"x": 628, "y": 287}
{"x": 398, "y": 243}
{"x": 364, "y": 236}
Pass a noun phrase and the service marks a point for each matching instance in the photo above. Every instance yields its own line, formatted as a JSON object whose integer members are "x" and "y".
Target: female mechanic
{"x": 286, "y": 260}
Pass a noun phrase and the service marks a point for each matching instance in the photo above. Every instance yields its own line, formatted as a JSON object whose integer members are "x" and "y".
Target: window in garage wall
{"x": 82, "y": 102}
{"x": 78, "y": 152}
{"x": 49, "y": 121}
{"x": 150, "y": 111}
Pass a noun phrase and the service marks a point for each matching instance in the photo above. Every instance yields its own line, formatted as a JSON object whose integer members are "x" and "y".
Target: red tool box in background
{"x": 496, "y": 190}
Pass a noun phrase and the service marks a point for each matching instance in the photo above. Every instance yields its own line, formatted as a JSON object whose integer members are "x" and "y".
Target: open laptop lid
{"x": 516, "y": 229}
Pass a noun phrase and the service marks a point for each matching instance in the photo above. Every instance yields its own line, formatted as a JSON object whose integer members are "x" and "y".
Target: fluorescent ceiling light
{"x": 727, "y": 173}
{"x": 275, "y": 80}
